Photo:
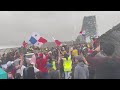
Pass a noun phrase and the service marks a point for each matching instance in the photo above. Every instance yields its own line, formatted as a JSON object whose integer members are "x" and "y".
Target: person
{"x": 81, "y": 70}
{"x": 33, "y": 59}
{"x": 41, "y": 65}
{"x": 11, "y": 68}
{"x": 105, "y": 67}
{"x": 39, "y": 75}
{"x": 73, "y": 67}
{"x": 54, "y": 63}
{"x": 17, "y": 76}
{"x": 75, "y": 52}
{"x": 95, "y": 43}
{"x": 28, "y": 72}
{"x": 67, "y": 64}
{"x": 90, "y": 50}
{"x": 10, "y": 75}
{"x": 53, "y": 74}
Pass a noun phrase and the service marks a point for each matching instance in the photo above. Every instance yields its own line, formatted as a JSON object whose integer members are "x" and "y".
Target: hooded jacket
{"x": 81, "y": 71}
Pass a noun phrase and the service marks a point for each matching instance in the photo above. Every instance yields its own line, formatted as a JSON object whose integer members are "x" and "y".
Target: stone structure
{"x": 89, "y": 26}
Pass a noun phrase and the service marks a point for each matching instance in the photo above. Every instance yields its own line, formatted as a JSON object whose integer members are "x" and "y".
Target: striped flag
{"x": 37, "y": 40}
{"x": 58, "y": 43}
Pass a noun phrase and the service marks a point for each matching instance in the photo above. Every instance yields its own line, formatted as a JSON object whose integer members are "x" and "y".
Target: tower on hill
{"x": 89, "y": 26}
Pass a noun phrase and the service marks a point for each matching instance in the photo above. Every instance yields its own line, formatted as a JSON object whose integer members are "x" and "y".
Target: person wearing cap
{"x": 81, "y": 70}
{"x": 52, "y": 74}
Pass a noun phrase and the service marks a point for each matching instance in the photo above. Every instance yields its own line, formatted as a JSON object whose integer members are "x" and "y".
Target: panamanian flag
{"x": 58, "y": 43}
{"x": 37, "y": 40}
{"x": 82, "y": 33}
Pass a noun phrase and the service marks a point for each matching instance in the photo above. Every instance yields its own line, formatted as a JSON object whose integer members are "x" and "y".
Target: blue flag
{"x": 33, "y": 40}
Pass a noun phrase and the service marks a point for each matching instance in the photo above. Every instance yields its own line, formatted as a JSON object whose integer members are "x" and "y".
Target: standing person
{"x": 17, "y": 76}
{"x": 67, "y": 64}
{"x": 90, "y": 50}
{"x": 107, "y": 67}
{"x": 75, "y": 52}
{"x": 52, "y": 74}
{"x": 28, "y": 72}
{"x": 39, "y": 75}
{"x": 81, "y": 70}
{"x": 33, "y": 59}
{"x": 11, "y": 68}
{"x": 41, "y": 65}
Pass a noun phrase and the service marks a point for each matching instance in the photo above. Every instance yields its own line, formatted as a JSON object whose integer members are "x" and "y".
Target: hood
{"x": 81, "y": 64}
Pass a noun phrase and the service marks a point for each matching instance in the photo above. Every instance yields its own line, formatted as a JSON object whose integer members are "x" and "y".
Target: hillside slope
{"x": 113, "y": 36}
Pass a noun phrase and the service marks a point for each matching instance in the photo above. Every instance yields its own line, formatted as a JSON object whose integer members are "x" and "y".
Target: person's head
{"x": 17, "y": 76}
{"x": 49, "y": 66}
{"x": 66, "y": 56}
{"x": 39, "y": 75}
{"x": 108, "y": 49}
{"x": 74, "y": 48}
{"x": 78, "y": 59}
{"x": 36, "y": 55}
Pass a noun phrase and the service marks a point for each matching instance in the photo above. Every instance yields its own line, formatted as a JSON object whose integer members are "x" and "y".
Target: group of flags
{"x": 38, "y": 40}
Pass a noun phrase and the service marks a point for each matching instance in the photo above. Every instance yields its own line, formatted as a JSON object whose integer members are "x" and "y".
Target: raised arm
{"x": 84, "y": 59}
{"x": 21, "y": 61}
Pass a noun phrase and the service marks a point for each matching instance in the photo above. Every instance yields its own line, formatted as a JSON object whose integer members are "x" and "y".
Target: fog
{"x": 17, "y": 26}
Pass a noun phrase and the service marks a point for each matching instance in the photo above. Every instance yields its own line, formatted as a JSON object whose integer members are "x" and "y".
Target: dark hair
{"x": 36, "y": 54}
{"x": 39, "y": 75}
{"x": 108, "y": 49}
{"x": 17, "y": 76}
{"x": 66, "y": 56}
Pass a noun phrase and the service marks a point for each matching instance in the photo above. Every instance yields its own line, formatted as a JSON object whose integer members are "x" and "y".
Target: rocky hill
{"x": 113, "y": 36}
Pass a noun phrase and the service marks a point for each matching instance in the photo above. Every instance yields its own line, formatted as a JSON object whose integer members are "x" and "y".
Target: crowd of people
{"x": 78, "y": 61}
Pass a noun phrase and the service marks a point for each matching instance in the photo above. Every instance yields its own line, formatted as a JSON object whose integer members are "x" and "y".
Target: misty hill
{"x": 113, "y": 36}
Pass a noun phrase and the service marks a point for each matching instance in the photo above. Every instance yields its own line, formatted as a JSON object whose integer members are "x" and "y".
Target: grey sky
{"x": 15, "y": 26}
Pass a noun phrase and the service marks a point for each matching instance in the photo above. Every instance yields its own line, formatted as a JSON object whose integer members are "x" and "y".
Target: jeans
{"x": 68, "y": 75}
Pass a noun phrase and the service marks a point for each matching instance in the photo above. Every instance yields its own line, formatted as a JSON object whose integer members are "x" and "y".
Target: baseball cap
{"x": 49, "y": 65}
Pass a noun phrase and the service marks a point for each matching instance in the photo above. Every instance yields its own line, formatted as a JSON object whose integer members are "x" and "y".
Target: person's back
{"x": 41, "y": 64}
{"x": 54, "y": 74}
{"x": 31, "y": 74}
{"x": 107, "y": 67}
{"x": 75, "y": 52}
{"x": 81, "y": 71}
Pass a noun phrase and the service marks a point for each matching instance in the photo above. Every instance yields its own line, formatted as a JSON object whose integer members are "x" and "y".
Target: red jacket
{"x": 41, "y": 64}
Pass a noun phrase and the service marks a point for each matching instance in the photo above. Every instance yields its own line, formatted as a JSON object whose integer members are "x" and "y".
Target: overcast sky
{"x": 16, "y": 26}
